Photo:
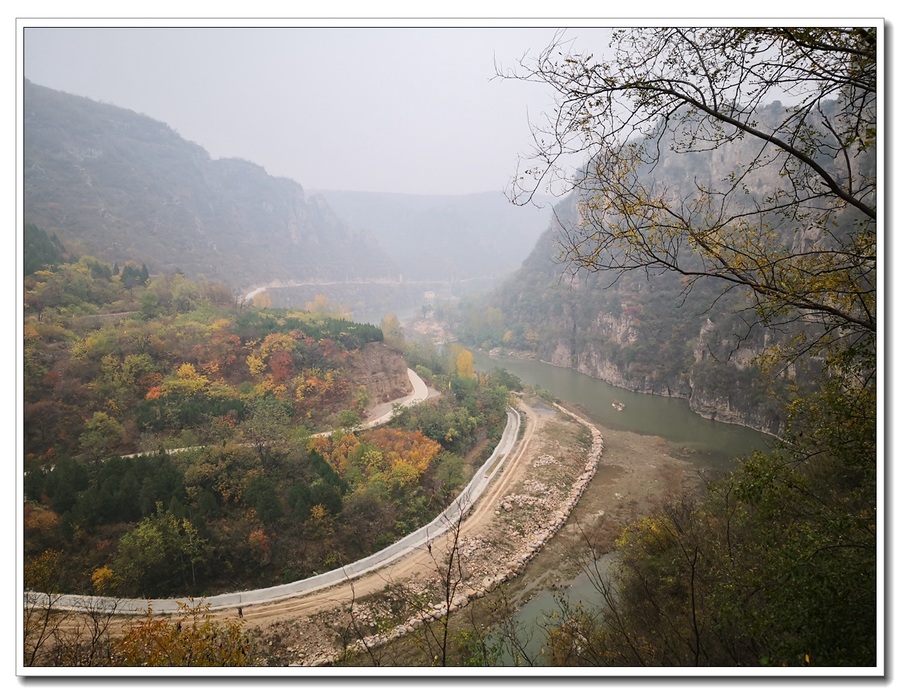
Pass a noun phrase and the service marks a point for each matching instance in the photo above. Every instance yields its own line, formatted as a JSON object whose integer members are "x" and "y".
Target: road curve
{"x": 422, "y": 536}
{"x": 420, "y": 393}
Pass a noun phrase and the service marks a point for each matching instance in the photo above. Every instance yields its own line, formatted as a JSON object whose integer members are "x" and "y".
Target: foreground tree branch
{"x": 742, "y": 154}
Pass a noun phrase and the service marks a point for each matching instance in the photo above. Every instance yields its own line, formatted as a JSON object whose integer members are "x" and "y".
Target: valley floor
{"x": 527, "y": 532}
{"x": 513, "y": 519}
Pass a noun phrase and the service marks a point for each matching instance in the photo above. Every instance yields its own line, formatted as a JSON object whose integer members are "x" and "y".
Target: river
{"x": 706, "y": 443}
{"x": 711, "y": 444}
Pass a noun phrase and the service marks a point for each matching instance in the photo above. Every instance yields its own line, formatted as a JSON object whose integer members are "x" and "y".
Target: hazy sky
{"x": 412, "y": 110}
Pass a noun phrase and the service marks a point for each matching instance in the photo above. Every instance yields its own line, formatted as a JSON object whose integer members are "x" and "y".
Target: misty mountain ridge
{"x": 122, "y": 186}
{"x": 447, "y": 237}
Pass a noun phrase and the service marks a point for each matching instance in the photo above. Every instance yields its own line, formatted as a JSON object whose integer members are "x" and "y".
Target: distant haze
{"x": 402, "y": 110}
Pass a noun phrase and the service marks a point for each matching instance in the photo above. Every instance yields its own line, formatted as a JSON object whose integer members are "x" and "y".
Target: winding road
{"x": 299, "y": 589}
{"x": 491, "y": 483}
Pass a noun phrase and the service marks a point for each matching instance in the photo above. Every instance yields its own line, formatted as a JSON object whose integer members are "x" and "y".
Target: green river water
{"x": 715, "y": 444}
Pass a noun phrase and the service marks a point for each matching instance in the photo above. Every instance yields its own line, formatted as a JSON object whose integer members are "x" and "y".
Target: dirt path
{"x": 635, "y": 473}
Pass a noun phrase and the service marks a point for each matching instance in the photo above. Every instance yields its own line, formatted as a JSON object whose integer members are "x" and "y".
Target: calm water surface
{"x": 716, "y": 444}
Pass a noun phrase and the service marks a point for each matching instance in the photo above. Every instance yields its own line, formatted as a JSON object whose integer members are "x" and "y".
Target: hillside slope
{"x": 121, "y": 186}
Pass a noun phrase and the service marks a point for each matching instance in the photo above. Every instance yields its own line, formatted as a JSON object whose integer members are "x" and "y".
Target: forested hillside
{"x": 221, "y": 399}
{"x": 118, "y": 185}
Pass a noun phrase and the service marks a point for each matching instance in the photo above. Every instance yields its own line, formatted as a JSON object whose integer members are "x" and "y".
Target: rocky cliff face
{"x": 662, "y": 333}
{"x": 638, "y": 332}
{"x": 727, "y": 391}
{"x": 381, "y": 370}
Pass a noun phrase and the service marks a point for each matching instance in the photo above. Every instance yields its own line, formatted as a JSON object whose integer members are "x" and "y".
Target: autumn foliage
{"x": 193, "y": 639}
{"x": 390, "y": 455}
{"x": 231, "y": 490}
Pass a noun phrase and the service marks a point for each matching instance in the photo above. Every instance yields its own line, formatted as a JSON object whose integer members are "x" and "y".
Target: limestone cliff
{"x": 639, "y": 332}
{"x": 381, "y": 370}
